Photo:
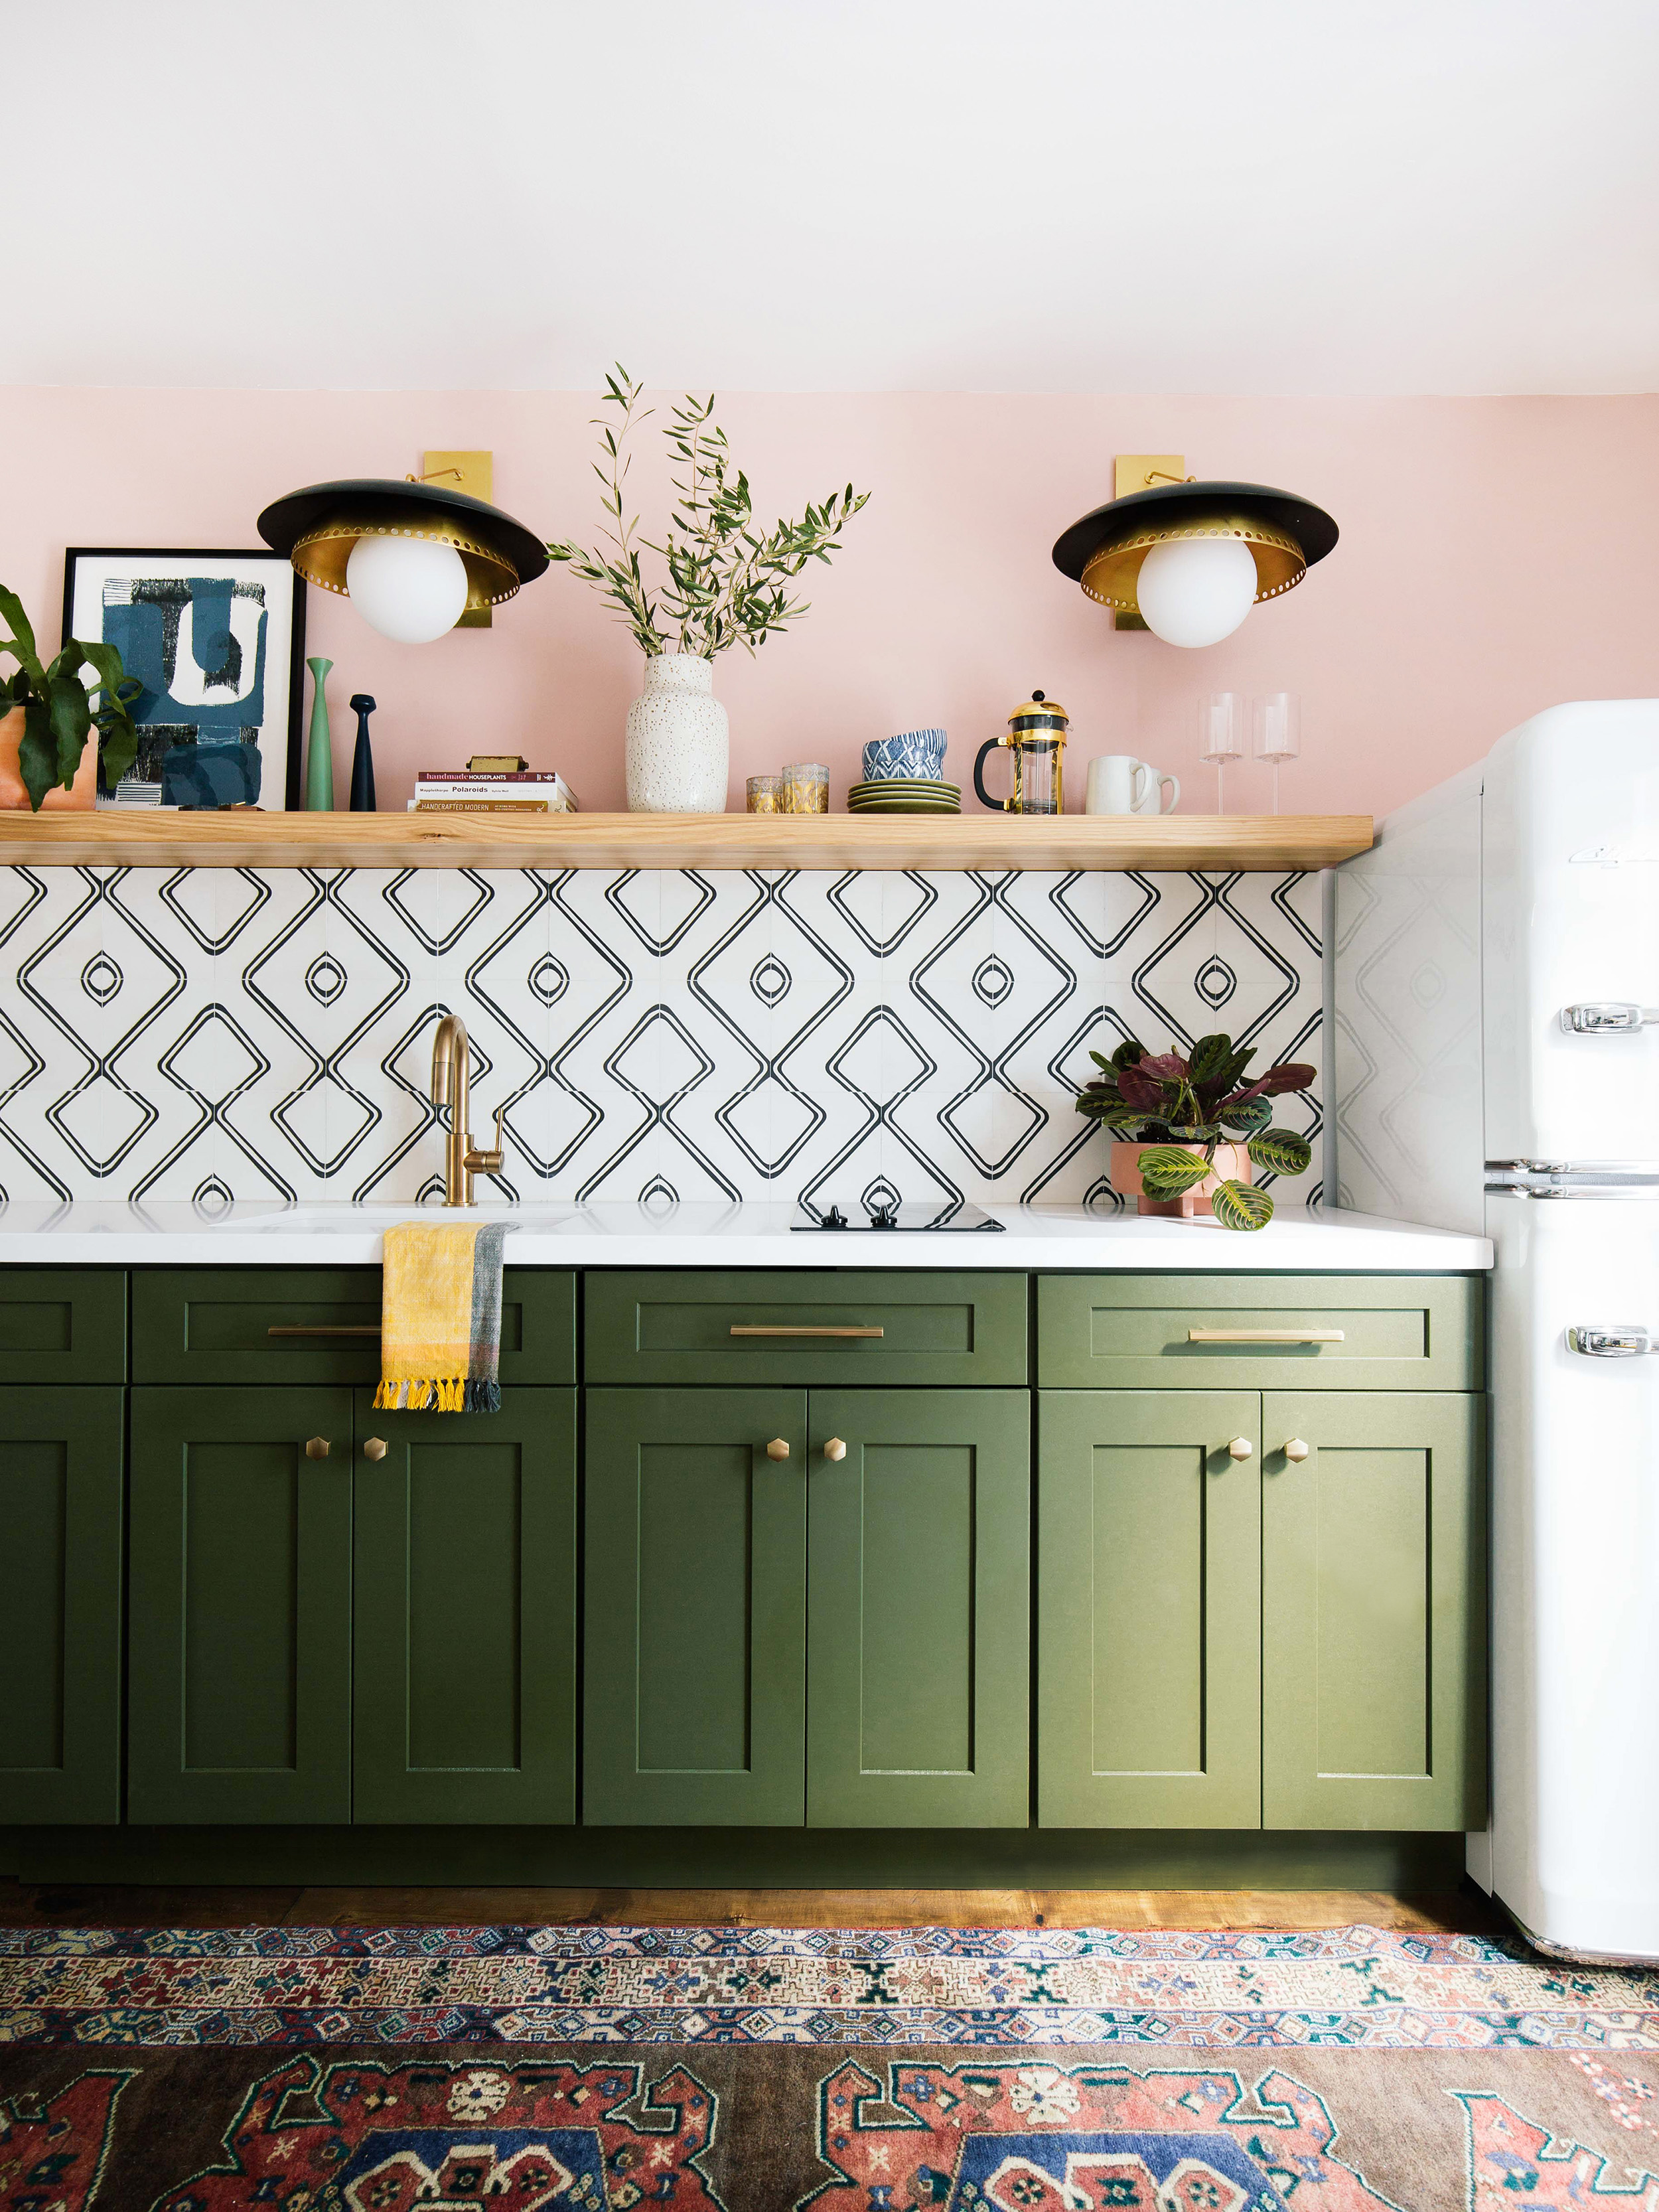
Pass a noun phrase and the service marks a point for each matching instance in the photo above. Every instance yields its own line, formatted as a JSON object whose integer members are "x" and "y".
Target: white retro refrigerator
{"x": 1496, "y": 1065}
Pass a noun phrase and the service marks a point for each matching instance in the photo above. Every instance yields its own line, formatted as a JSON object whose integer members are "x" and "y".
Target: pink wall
{"x": 1496, "y": 555}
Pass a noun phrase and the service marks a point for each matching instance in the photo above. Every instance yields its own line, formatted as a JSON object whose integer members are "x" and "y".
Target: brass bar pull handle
{"x": 1266, "y": 1336}
{"x": 317, "y": 1448}
{"x": 355, "y": 1328}
{"x": 782, "y": 1330}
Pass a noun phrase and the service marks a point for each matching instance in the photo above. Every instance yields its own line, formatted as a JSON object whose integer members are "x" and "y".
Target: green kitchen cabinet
{"x": 265, "y": 1325}
{"x": 62, "y": 1325}
{"x": 464, "y": 1614}
{"x": 1374, "y": 1595}
{"x": 1149, "y": 1609}
{"x": 918, "y": 1608}
{"x": 1237, "y": 1332}
{"x": 240, "y": 1605}
{"x": 818, "y": 1325}
{"x": 696, "y": 1591}
{"x": 60, "y": 1605}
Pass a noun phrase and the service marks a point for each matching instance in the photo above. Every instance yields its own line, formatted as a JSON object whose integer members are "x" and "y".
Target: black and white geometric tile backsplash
{"x": 209, "y": 1034}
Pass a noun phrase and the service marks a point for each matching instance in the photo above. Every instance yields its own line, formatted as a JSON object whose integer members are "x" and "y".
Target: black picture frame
{"x": 259, "y": 556}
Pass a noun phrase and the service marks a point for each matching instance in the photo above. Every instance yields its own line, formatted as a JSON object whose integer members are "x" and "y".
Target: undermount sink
{"x": 346, "y": 1220}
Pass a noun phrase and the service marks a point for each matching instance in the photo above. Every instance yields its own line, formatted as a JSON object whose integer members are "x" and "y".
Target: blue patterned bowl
{"x": 918, "y": 753}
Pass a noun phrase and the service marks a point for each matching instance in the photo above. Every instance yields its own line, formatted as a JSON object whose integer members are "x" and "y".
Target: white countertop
{"x": 173, "y": 1234}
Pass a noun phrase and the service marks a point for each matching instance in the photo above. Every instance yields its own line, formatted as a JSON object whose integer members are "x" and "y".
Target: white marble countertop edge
{"x": 1036, "y": 1239}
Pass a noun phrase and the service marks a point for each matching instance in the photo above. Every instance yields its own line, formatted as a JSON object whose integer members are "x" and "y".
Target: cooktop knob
{"x": 885, "y": 1216}
{"x": 833, "y": 1219}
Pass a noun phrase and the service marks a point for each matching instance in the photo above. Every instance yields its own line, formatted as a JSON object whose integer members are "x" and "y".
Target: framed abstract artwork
{"x": 217, "y": 640}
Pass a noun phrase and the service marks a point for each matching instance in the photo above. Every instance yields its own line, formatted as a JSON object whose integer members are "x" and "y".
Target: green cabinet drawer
{"x": 805, "y": 1326}
{"x": 62, "y": 1325}
{"x": 322, "y": 1325}
{"x": 1259, "y": 1332}
{"x": 60, "y": 1606}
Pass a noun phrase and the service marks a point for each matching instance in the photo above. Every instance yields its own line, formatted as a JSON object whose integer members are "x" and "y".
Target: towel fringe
{"x": 440, "y": 1394}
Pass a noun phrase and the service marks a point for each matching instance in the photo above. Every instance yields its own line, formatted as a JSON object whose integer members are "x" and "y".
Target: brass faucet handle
{"x": 490, "y": 1162}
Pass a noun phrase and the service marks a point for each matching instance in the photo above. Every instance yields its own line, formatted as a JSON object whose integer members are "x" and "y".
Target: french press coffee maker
{"x": 1037, "y": 737}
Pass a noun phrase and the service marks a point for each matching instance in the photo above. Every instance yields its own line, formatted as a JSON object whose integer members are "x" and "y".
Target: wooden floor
{"x": 36, "y": 1906}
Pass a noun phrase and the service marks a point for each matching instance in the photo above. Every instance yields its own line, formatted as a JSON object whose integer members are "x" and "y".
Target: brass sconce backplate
{"x": 1140, "y": 471}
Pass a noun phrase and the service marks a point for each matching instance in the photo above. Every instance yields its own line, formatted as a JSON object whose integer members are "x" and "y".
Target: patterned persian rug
{"x": 960, "y": 1986}
{"x": 783, "y": 2128}
{"x": 586, "y": 2070}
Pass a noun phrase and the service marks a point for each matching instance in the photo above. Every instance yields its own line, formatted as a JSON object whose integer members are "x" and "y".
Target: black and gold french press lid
{"x": 1037, "y": 717}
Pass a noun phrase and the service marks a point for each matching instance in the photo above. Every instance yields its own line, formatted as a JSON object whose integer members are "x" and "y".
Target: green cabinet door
{"x": 464, "y": 1617}
{"x": 696, "y": 1581}
{"x": 240, "y": 1605}
{"x": 1373, "y": 1585}
{"x": 918, "y": 1610}
{"x": 60, "y": 1605}
{"x": 1149, "y": 1612}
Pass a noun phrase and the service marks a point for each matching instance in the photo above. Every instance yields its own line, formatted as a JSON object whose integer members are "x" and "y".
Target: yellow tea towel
{"x": 441, "y": 1317}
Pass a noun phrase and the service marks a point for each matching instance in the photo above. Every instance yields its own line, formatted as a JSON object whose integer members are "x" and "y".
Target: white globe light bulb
{"x": 410, "y": 589}
{"x": 1196, "y": 590}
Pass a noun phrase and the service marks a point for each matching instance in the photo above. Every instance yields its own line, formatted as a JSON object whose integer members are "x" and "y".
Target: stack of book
{"x": 487, "y": 787}
{"x": 130, "y": 792}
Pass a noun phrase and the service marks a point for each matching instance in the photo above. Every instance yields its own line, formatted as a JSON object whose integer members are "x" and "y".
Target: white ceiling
{"x": 1238, "y": 196}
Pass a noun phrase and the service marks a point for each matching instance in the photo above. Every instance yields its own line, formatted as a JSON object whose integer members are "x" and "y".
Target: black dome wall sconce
{"x": 1188, "y": 559}
{"x": 413, "y": 558}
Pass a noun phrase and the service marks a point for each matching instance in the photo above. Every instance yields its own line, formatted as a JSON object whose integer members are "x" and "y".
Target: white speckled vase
{"x": 678, "y": 743}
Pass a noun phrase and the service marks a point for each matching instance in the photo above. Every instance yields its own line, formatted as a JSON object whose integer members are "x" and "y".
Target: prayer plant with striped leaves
{"x": 1167, "y": 1101}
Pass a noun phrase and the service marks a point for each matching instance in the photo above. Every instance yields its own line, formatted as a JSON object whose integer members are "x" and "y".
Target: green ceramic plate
{"x": 896, "y": 788}
{"x": 903, "y": 806}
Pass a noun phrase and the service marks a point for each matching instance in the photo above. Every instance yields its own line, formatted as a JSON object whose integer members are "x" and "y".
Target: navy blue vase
{"x": 362, "y": 760}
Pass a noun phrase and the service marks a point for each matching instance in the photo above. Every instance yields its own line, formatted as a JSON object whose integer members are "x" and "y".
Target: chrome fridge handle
{"x": 1610, "y": 1341}
{"x": 1606, "y": 1018}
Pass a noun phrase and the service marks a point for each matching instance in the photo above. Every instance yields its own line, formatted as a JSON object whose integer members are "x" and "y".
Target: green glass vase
{"x": 319, "y": 749}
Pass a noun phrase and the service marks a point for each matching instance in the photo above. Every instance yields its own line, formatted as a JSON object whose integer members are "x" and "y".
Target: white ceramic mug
{"x": 1121, "y": 784}
{"x": 1153, "y": 802}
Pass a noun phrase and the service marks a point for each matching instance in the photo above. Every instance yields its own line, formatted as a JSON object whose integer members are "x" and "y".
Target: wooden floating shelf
{"x": 185, "y": 840}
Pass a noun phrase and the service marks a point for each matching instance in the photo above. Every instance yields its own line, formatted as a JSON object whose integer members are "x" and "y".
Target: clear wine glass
{"x": 1221, "y": 723}
{"x": 1278, "y": 720}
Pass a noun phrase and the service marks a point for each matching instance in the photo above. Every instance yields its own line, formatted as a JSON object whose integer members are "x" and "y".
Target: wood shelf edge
{"x": 1251, "y": 842}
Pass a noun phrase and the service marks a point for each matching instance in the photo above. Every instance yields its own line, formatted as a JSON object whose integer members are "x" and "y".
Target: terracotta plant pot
{"x": 81, "y": 792}
{"x": 1232, "y": 1164}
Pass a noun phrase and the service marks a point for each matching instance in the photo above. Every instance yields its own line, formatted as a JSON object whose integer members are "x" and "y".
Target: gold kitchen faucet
{"x": 451, "y": 1087}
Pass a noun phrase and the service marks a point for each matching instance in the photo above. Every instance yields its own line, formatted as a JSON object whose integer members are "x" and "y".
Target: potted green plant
{"x": 47, "y": 713}
{"x": 726, "y": 584}
{"x": 1188, "y": 1130}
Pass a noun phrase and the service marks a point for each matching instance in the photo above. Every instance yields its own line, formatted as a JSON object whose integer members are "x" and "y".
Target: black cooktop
{"x": 926, "y": 1213}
